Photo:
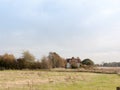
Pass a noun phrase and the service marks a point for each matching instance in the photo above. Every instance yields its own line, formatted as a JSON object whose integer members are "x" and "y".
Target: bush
{"x": 74, "y": 65}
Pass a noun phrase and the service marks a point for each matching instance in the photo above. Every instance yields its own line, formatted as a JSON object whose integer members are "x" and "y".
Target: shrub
{"x": 74, "y": 65}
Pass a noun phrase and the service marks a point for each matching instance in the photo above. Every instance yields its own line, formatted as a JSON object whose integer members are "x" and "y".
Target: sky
{"x": 79, "y": 28}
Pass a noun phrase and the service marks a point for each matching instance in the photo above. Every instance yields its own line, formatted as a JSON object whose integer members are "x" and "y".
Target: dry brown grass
{"x": 50, "y": 80}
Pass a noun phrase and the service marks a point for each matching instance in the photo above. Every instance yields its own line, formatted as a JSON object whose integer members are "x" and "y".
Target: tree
{"x": 28, "y": 57}
{"x": 21, "y": 63}
{"x": 45, "y": 64}
{"x": 88, "y": 62}
{"x": 55, "y": 60}
{"x": 7, "y": 61}
{"x": 36, "y": 65}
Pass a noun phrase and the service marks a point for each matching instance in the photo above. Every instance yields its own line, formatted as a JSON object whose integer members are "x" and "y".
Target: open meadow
{"x": 48, "y": 80}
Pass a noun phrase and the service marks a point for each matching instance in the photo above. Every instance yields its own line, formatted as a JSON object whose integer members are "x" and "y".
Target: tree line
{"x": 27, "y": 61}
{"x": 111, "y": 64}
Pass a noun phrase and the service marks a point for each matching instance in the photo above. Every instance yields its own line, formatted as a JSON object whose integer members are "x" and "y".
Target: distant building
{"x": 76, "y": 61}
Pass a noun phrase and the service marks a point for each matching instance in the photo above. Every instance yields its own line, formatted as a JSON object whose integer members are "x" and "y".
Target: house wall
{"x": 68, "y": 65}
{"x": 78, "y": 64}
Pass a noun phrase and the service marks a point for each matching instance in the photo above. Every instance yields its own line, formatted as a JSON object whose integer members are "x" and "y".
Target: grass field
{"x": 47, "y": 80}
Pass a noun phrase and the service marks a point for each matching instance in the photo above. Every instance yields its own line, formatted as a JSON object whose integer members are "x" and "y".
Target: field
{"x": 49, "y": 80}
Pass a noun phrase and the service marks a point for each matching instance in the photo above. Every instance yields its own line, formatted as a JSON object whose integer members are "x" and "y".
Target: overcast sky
{"x": 79, "y": 28}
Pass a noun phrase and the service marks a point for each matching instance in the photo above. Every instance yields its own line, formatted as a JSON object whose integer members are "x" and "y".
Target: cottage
{"x": 73, "y": 61}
